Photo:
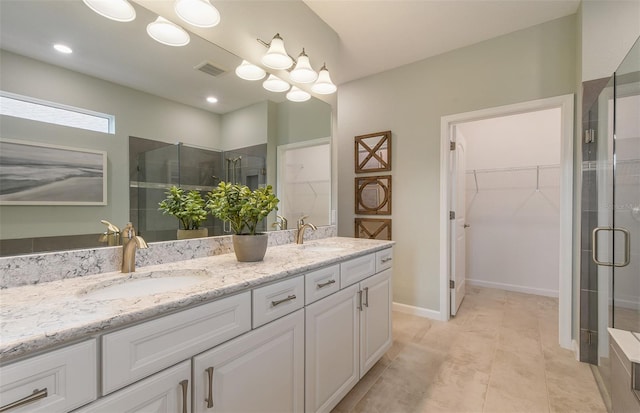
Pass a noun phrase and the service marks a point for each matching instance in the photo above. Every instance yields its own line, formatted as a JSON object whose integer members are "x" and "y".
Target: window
{"x": 58, "y": 114}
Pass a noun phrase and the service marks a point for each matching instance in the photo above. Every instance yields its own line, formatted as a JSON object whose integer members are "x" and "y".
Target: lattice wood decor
{"x": 373, "y": 228}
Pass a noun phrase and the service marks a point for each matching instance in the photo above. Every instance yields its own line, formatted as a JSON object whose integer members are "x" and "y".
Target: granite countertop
{"x": 36, "y": 317}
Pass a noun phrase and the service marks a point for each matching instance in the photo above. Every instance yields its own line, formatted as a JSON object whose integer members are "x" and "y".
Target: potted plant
{"x": 243, "y": 209}
{"x": 188, "y": 208}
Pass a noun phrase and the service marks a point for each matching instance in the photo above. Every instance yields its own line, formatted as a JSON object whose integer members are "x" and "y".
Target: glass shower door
{"x": 626, "y": 195}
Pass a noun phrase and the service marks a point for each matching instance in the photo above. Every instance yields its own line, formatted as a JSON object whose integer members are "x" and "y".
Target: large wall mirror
{"x": 165, "y": 131}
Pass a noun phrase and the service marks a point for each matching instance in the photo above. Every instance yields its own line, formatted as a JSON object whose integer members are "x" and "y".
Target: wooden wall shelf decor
{"x": 373, "y": 195}
{"x": 373, "y": 228}
{"x": 373, "y": 152}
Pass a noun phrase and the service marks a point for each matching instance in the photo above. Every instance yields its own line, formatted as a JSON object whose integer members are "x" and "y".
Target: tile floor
{"x": 499, "y": 354}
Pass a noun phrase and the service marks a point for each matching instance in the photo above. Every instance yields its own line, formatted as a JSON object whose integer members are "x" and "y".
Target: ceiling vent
{"x": 210, "y": 69}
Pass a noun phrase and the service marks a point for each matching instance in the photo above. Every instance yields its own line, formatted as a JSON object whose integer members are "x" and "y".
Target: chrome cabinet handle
{"x": 284, "y": 300}
{"x": 185, "y": 385}
{"x": 384, "y": 260}
{"x": 35, "y": 396}
{"x": 366, "y": 296}
{"x": 321, "y": 285}
{"x": 360, "y": 300}
{"x": 466, "y": 225}
{"x": 627, "y": 247}
{"x": 209, "y": 399}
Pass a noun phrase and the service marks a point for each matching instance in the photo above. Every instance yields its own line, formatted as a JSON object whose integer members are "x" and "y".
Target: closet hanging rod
{"x": 512, "y": 169}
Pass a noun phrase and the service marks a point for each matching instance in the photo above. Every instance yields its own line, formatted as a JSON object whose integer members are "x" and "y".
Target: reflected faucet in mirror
{"x": 130, "y": 242}
{"x": 111, "y": 236}
{"x": 301, "y": 227}
{"x": 281, "y": 223}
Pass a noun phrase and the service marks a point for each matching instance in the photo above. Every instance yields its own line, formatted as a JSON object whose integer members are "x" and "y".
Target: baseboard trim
{"x": 419, "y": 311}
{"x": 513, "y": 287}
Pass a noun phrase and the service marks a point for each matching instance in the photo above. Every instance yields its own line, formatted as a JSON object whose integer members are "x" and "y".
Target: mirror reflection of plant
{"x": 240, "y": 206}
{"x": 187, "y": 207}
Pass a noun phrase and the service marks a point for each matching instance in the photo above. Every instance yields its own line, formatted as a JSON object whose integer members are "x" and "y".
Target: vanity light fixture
{"x": 249, "y": 71}
{"x": 303, "y": 72}
{"x": 276, "y": 57}
{"x": 166, "y": 32}
{"x": 298, "y": 95}
{"x": 62, "y": 48}
{"x": 118, "y": 10}
{"x": 212, "y": 99}
{"x": 199, "y": 13}
{"x": 275, "y": 84}
{"x": 324, "y": 85}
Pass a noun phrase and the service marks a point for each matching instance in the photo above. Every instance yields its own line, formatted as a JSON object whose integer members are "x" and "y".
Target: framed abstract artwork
{"x": 373, "y": 228}
{"x": 40, "y": 174}
{"x": 373, "y": 195}
{"x": 373, "y": 152}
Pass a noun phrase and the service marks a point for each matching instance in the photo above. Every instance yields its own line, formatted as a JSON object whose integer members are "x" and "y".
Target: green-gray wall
{"x": 530, "y": 64}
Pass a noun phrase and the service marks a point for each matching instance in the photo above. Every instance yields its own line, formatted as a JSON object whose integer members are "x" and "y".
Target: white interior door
{"x": 457, "y": 225}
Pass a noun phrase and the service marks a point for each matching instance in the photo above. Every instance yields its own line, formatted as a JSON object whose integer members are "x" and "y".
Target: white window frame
{"x": 59, "y": 106}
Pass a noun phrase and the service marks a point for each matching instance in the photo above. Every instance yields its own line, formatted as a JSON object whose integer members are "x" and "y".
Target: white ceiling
{"x": 380, "y": 35}
{"x": 355, "y": 38}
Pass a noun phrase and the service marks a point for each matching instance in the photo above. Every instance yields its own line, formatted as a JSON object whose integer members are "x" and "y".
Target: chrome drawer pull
{"x": 185, "y": 385}
{"x": 385, "y": 260}
{"x": 284, "y": 300}
{"x": 327, "y": 283}
{"x": 360, "y": 300}
{"x": 35, "y": 396}
{"x": 366, "y": 297}
{"x": 209, "y": 399}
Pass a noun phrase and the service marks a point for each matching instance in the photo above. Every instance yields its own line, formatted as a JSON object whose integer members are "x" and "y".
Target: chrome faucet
{"x": 130, "y": 241}
{"x": 301, "y": 227}
{"x": 282, "y": 224}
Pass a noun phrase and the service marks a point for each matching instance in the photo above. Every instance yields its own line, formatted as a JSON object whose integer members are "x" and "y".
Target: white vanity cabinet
{"x": 57, "y": 381}
{"x": 261, "y": 371}
{"x": 347, "y": 332}
{"x": 166, "y": 392}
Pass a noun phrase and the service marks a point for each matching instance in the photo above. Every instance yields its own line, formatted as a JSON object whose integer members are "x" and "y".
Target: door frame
{"x": 566, "y": 105}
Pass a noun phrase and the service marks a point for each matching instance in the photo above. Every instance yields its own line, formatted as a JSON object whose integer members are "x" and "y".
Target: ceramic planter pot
{"x": 250, "y": 248}
{"x": 193, "y": 233}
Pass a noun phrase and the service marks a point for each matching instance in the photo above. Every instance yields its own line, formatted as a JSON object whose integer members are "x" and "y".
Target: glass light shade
{"x": 303, "y": 72}
{"x": 166, "y": 32}
{"x": 324, "y": 85}
{"x": 277, "y": 57}
{"x": 249, "y": 71}
{"x": 275, "y": 84}
{"x": 199, "y": 13}
{"x": 297, "y": 95}
{"x": 118, "y": 10}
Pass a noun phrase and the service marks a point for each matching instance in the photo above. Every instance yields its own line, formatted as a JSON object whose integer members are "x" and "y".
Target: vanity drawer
{"x": 357, "y": 269}
{"x": 321, "y": 283}
{"x": 68, "y": 378}
{"x": 277, "y": 300}
{"x": 384, "y": 259}
{"x": 141, "y": 350}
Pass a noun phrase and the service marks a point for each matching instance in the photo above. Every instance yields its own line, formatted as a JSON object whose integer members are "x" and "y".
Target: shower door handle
{"x": 627, "y": 247}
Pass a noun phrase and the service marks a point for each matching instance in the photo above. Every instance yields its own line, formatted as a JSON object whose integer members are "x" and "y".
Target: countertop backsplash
{"x": 38, "y": 268}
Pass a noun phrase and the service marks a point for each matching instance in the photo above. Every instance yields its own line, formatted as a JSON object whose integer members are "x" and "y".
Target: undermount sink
{"x": 145, "y": 283}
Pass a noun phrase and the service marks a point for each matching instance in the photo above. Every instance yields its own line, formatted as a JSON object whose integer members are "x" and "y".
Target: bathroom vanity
{"x": 293, "y": 333}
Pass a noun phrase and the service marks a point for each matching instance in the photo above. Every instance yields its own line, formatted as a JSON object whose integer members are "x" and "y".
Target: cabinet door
{"x": 164, "y": 392}
{"x": 261, "y": 371}
{"x": 375, "y": 319}
{"x": 332, "y": 347}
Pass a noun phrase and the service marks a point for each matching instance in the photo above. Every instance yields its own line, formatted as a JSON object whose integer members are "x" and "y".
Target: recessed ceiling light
{"x": 62, "y": 48}
{"x": 118, "y": 10}
{"x": 212, "y": 99}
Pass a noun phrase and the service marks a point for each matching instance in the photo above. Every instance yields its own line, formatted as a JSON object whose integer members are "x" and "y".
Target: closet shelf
{"x": 536, "y": 168}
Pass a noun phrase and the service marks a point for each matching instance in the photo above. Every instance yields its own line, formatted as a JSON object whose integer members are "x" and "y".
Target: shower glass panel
{"x": 191, "y": 168}
{"x": 610, "y": 273}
